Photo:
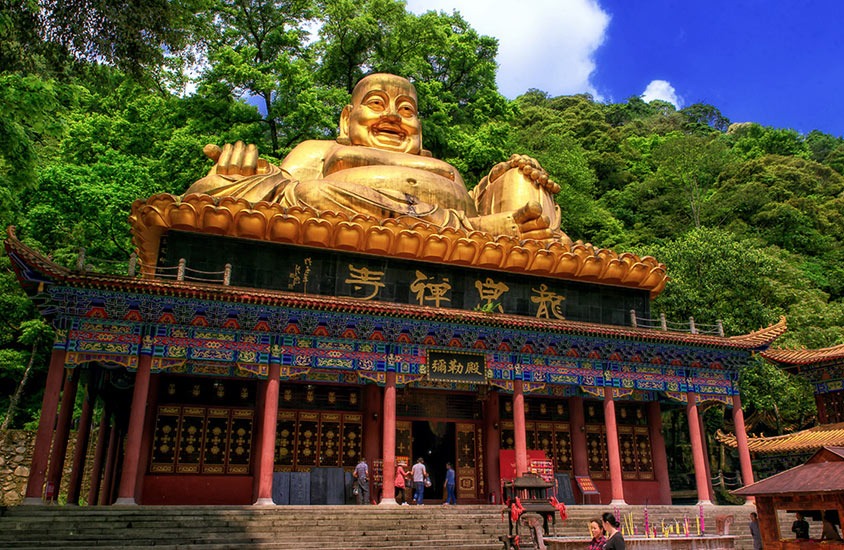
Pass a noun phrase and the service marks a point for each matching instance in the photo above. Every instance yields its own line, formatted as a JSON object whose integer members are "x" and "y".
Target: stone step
{"x": 463, "y": 527}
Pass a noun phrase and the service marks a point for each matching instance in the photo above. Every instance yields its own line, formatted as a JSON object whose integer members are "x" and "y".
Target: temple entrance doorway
{"x": 436, "y": 443}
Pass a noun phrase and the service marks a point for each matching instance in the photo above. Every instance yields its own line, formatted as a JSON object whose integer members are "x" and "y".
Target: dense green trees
{"x": 749, "y": 219}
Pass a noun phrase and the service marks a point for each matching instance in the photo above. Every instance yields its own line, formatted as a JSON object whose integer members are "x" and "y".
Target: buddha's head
{"x": 383, "y": 115}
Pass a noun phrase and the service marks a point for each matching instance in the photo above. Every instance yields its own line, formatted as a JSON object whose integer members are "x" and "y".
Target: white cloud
{"x": 544, "y": 44}
{"x": 662, "y": 89}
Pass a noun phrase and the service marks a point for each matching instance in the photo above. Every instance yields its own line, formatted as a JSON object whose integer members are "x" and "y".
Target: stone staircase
{"x": 463, "y": 527}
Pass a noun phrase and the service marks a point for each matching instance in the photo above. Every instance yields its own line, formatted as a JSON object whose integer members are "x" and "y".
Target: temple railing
{"x": 662, "y": 324}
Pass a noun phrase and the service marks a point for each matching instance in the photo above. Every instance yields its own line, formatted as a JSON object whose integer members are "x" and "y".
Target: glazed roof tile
{"x": 826, "y": 435}
{"x": 34, "y": 261}
{"x": 797, "y": 357}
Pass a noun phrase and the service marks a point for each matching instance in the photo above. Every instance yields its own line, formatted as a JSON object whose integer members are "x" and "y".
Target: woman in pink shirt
{"x": 401, "y": 475}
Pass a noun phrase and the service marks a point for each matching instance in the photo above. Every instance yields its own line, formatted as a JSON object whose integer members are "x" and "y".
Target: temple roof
{"x": 798, "y": 442}
{"x": 406, "y": 237}
{"x": 823, "y": 473}
{"x": 34, "y": 270}
{"x": 798, "y": 357}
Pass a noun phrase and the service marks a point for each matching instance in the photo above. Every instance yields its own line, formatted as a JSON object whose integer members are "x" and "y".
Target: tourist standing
{"x": 800, "y": 527}
{"x": 450, "y": 485}
{"x": 400, "y": 483}
{"x": 754, "y": 531}
{"x": 614, "y": 539}
{"x": 361, "y": 483}
{"x": 420, "y": 474}
{"x": 598, "y": 538}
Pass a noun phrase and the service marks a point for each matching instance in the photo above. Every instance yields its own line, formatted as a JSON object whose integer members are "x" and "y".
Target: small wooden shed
{"x": 815, "y": 486}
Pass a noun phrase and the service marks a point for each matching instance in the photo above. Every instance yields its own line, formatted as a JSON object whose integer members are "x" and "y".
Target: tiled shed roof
{"x": 821, "y": 474}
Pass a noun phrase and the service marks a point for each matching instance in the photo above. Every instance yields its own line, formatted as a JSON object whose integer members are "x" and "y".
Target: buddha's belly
{"x": 419, "y": 185}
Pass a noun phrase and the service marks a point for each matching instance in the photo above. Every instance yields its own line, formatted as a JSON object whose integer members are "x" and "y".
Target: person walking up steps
{"x": 450, "y": 484}
{"x": 420, "y": 474}
{"x": 400, "y": 484}
{"x": 361, "y": 483}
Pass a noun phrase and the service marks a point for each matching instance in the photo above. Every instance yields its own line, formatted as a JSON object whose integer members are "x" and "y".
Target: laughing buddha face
{"x": 383, "y": 114}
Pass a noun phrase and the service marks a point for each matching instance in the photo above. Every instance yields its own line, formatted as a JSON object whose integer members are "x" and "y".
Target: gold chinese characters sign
{"x": 454, "y": 366}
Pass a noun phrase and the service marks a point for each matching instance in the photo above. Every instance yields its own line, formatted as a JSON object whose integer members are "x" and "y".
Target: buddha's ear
{"x": 345, "y": 116}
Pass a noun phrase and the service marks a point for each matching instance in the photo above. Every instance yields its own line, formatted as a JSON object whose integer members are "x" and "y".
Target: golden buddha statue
{"x": 377, "y": 166}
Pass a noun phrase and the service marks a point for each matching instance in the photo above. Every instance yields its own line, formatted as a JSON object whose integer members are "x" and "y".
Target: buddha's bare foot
{"x": 532, "y": 223}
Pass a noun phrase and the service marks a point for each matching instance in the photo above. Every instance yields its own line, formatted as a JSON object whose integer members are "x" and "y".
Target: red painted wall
{"x": 200, "y": 490}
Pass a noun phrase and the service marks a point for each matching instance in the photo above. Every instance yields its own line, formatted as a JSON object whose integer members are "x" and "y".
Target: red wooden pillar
{"x": 613, "y": 451}
{"x": 492, "y": 438}
{"x": 741, "y": 439}
{"x": 698, "y": 459}
{"x": 44, "y": 436}
{"x": 135, "y": 432}
{"x": 59, "y": 451}
{"x": 114, "y": 437}
{"x": 579, "y": 455}
{"x": 710, "y": 490}
{"x": 257, "y": 443}
{"x": 99, "y": 457}
{"x": 388, "y": 490}
{"x": 80, "y": 449}
{"x": 659, "y": 457}
{"x": 519, "y": 428}
{"x": 268, "y": 429}
{"x": 371, "y": 445}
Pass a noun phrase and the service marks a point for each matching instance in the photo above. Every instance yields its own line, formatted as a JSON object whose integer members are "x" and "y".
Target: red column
{"x": 710, "y": 490}
{"x": 135, "y": 432}
{"x": 612, "y": 448}
{"x": 114, "y": 437}
{"x": 697, "y": 450}
{"x": 492, "y": 438}
{"x": 820, "y": 403}
{"x": 741, "y": 439}
{"x": 659, "y": 457}
{"x": 44, "y": 436}
{"x": 99, "y": 457}
{"x": 257, "y": 430}
{"x": 519, "y": 428}
{"x": 59, "y": 451}
{"x": 80, "y": 449}
{"x": 579, "y": 456}
{"x": 268, "y": 429}
{"x": 371, "y": 445}
{"x": 388, "y": 490}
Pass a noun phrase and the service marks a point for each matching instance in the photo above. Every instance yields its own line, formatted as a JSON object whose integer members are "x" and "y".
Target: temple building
{"x": 306, "y": 341}
{"x": 358, "y": 300}
{"x": 824, "y": 369}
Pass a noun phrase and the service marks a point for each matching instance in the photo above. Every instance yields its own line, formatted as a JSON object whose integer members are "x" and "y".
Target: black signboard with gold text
{"x": 455, "y": 366}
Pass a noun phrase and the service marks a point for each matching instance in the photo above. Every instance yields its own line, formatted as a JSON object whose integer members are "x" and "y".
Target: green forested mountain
{"x": 95, "y": 113}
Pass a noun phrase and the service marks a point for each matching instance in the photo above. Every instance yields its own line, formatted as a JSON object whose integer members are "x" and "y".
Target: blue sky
{"x": 776, "y": 62}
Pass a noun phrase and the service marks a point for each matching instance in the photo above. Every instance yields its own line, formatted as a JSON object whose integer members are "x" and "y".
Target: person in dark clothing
{"x": 614, "y": 539}
{"x": 800, "y": 527}
{"x": 450, "y": 485}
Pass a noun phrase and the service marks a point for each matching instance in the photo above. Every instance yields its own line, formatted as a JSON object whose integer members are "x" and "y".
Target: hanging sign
{"x": 455, "y": 366}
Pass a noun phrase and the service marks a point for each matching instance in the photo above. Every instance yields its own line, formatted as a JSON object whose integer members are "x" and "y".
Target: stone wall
{"x": 16, "y": 458}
